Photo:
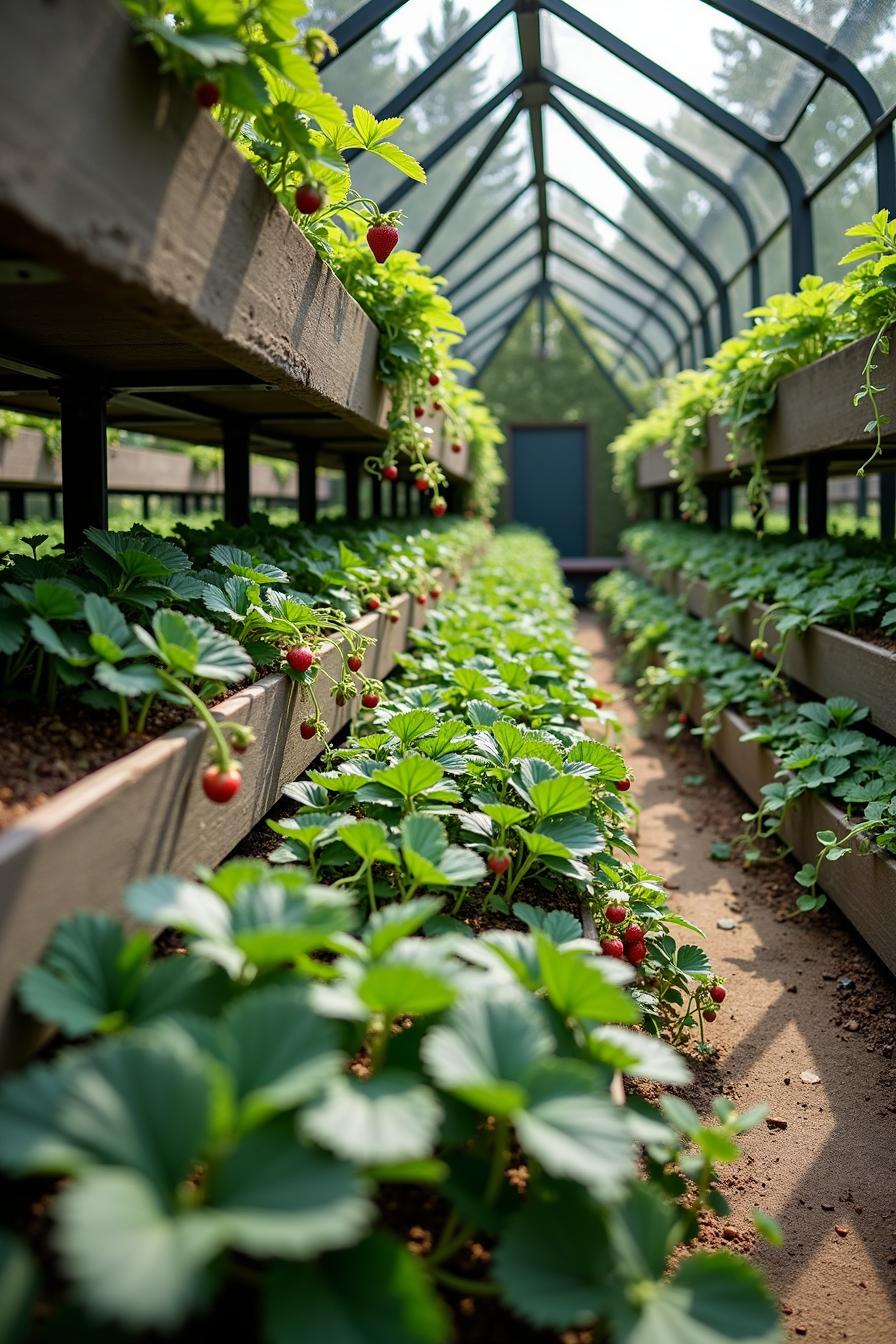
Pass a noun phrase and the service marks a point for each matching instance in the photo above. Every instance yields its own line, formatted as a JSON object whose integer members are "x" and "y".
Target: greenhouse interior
{"x": 448, "y": 644}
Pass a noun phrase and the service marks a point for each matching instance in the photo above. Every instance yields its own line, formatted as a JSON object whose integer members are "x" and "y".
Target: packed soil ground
{"x": 809, "y": 1028}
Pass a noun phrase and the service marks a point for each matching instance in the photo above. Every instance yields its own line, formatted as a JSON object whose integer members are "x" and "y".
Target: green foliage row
{"x": 134, "y": 617}
{"x": 848, "y": 583}
{"x": 819, "y": 745}
{"x": 739, "y": 382}
{"x": 239, "y": 1121}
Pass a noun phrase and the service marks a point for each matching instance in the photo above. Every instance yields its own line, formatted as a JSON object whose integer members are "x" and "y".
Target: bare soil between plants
{"x": 805, "y": 997}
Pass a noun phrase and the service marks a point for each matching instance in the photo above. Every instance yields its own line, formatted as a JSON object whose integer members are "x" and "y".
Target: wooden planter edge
{"x": 146, "y": 811}
{"x": 825, "y": 661}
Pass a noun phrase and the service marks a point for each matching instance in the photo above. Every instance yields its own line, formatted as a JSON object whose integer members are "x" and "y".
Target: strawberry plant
{"x": 330, "y": 1030}
{"x": 739, "y": 382}
{"x": 234, "y": 1125}
{"x": 818, "y": 744}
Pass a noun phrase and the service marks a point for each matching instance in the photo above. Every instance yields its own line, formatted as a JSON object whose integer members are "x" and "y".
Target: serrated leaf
{"x": 565, "y": 793}
{"x": 578, "y": 987}
{"x": 484, "y": 1050}
{"x": 391, "y": 1117}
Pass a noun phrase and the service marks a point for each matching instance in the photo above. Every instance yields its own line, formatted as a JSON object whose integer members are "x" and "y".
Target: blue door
{"x": 549, "y": 487}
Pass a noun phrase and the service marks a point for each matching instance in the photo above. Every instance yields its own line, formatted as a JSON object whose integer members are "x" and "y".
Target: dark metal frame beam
{"x": 459, "y": 48}
{"x": 638, "y": 347}
{"x": 484, "y": 328}
{"x": 656, "y": 257}
{"x": 475, "y": 168}
{"x": 534, "y": 94}
{"x": 705, "y": 262}
{"x": 478, "y": 295}
{"x": 505, "y": 334}
{"x": 451, "y": 141}
{"x": 500, "y": 251}
{"x": 650, "y": 312}
{"x": 468, "y": 243}
{"x": 801, "y": 237}
{"x": 653, "y": 289}
{"x": 835, "y": 65}
{"x": 679, "y": 156}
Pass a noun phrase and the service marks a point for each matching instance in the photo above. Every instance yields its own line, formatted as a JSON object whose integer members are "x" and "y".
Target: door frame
{"x": 586, "y": 467}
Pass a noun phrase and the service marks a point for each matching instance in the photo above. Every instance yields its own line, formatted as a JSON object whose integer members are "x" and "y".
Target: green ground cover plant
{"x": 247, "y": 1129}
{"x": 134, "y": 617}
{"x": 846, "y": 583}
{"x": 820, "y": 745}
{"x": 739, "y": 382}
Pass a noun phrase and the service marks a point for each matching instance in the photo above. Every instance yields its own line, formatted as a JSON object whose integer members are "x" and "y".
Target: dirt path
{"x": 803, "y": 996}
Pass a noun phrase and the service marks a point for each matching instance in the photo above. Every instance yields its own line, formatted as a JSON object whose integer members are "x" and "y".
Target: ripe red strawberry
{"x": 436, "y": 406}
{"x": 438, "y": 507}
{"x": 308, "y": 729}
{"x": 422, "y": 484}
{"x": 370, "y": 701}
{"x": 373, "y": 602}
{"x": 709, "y": 1014}
{"x": 421, "y": 599}
{"x": 623, "y": 785}
{"x": 457, "y": 447}
{"x": 434, "y": 380}
{"x": 635, "y": 953}
{"x": 382, "y": 237}
{"x": 683, "y": 718}
{"x": 300, "y": 659}
{"x": 612, "y": 947}
{"x": 354, "y": 661}
{"x": 419, "y": 412}
{"x": 390, "y": 472}
{"x": 339, "y": 698}
{"x": 310, "y": 198}
{"x": 499, "y": 863}
{"x": 207, "y": 93}
{"x": 717, "y": 993}
{"x": 633, "y": 934}
{"x": 435, "y": 592}
{"x": 615, "y": 913}
{"x": 221, "y": 785}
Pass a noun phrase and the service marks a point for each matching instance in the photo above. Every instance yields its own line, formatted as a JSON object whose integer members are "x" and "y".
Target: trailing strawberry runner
{"x": 342, "y": 1061}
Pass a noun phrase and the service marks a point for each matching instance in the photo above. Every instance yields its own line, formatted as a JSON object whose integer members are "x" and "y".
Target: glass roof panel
{"x": 864, "y": 30}
{"x": 570, "y": 161}
{"x": 522, "y": 213}
{"x": 636, "y": 96}
{"x": 622, "y": 313}
{"x": 830, "y": 126}
{"x": 502, "y": 260}
{"x": 851, "y": 196}
{"x": 575, "y": 250}
{"x": 757, "y": 80}
{"x": 699, "y": 209}
{"x": 473, "y": 314}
